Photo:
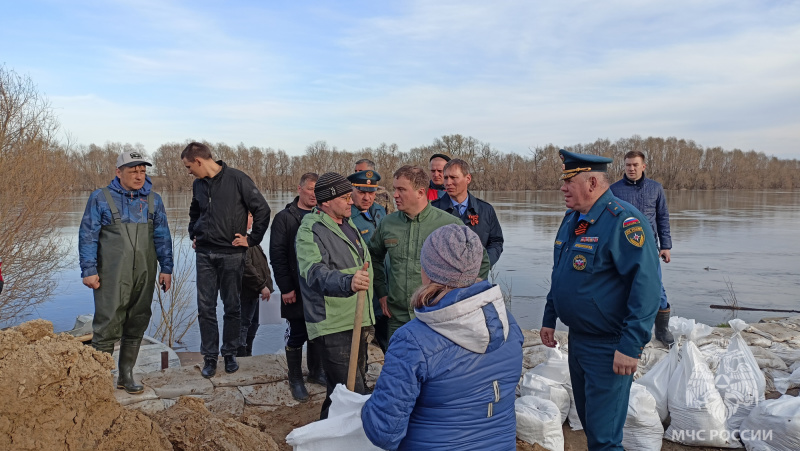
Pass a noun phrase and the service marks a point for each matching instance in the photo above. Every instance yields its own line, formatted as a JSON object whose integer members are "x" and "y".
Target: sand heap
{"x": 57, "y": 394}
{"x": 191, "y": 426}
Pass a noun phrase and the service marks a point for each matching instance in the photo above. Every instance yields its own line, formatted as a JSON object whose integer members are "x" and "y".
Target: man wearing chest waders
{"x": 122, "y": 234}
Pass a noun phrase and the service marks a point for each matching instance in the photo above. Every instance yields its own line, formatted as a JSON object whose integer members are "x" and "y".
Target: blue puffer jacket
{"x": 449, "y": 377}
{"x": 132, "y": 206}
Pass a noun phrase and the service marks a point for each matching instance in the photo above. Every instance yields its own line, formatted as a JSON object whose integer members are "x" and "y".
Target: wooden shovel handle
{"x": 354, "y": 344}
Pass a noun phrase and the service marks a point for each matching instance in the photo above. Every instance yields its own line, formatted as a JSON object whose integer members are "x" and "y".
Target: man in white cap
{"x": 122, "y": 235}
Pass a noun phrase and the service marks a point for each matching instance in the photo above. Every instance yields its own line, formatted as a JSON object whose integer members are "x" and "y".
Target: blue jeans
{"x": 664, "y": 304}
{"x": 219, "y": 273}
{"x": 601, "y": 397}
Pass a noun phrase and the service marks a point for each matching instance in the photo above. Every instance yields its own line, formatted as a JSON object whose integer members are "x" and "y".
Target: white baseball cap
{"x": 131, "y": 159}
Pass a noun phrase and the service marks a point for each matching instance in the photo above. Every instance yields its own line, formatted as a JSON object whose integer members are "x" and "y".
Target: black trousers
{"x": 336, "y": 360}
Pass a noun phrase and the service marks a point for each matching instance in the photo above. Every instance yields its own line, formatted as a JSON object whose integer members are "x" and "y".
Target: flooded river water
{"x": 747, "y": 238}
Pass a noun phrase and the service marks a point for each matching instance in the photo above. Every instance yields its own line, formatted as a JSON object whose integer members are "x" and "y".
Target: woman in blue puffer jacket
{"x": 450, "y": 375}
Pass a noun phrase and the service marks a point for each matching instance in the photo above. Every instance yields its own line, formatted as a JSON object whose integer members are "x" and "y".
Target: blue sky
{"x": 516, "y": 74}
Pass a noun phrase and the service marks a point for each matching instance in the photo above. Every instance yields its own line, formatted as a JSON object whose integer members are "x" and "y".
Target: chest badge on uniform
{"x": 635, "y": 236}
{"x": 579, "y": 262}
{"x": 630, "y": 221}
{"x": 589, "y": 239}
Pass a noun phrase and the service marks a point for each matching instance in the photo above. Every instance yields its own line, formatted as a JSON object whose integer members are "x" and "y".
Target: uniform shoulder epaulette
{"x": 615, "y": 208}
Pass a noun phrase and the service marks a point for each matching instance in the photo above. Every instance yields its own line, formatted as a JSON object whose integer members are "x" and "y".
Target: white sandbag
{"x": 773, "y": 425}
{"x": 649, "y": 359}
{"x": 767, "y": 359}
{"x": 556, "y": 368}
{"x": 574, "y": 420}
{"x": 539, "y": 386}
{"x": 697, "y": 412}
{"x": 739, "y": 379}
{"x": 657, "y": 379}
{"x": 712, "y": 353}
{"x": 788, "y": 354}
{"x": 539, "y": 421}
{"x": 782, "y": 384}
{"x": 643, "y": 430}
{"x": 341, "y": 431}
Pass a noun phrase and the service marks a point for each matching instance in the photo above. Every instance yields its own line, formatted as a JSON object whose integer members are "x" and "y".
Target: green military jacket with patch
{"x": 327, "y": 260}
{"x": 401, "y": 238}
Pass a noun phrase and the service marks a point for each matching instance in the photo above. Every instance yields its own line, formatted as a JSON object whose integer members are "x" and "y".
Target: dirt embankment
{"x": 57, "y": 394}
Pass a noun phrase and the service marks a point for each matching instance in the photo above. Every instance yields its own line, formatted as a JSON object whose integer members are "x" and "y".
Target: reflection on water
{"x": 746, "y": 237}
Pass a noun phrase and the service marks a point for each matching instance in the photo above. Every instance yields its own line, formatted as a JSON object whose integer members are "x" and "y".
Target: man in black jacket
{"x": 221, "y": 199}
{"x": 476, "y": 214}
{"x": 284, "y": 267}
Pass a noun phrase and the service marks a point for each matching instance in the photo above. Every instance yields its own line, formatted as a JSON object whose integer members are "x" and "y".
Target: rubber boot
{"x": 662, "y": 327}
{"x": 316, "y": 375}
{"x": 241, "y": 351}
{"x": 249, "y": 347}
{"x": 104, "y": 348}
{"x": 294, "y": 360}
{"x": 128, "y": 351}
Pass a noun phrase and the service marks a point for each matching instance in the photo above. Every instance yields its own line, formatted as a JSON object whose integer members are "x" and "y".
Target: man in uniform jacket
{"x": 605, "y": 289}
{"x": 123, "y": 224}
{"x": 221, "y": 199}
{"x": 331, "y": 256}
{"x": 436, "y": 184}
{"x": 400, "y": 236}
{"x": 366, "y": 215}
{"x": 476, "y": 214}
{"x": 284, "y": 267}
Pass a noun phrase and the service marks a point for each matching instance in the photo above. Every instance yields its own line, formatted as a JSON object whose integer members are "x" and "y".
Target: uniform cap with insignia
{"x": 575, "y": 163}
{"x": 365, "y": 180}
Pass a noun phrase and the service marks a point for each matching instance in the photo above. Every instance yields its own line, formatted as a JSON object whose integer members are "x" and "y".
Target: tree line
{"x": 676, "y": 163}
{"x": 39, "y": 169}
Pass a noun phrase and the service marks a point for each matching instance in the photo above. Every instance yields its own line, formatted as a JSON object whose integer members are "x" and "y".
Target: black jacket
{"x": 219, "y": 211}
{"x": 481, "y": 218}
{"x": 256, "y": 273}
{"x": 283, "y": 256}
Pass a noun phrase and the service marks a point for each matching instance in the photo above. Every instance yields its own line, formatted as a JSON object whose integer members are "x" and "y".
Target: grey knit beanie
{"x": 452, "y": 256}
{"x": 331, "y": 185}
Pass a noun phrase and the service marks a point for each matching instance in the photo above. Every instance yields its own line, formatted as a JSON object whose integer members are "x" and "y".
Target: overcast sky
{"x": 516, "y": 74}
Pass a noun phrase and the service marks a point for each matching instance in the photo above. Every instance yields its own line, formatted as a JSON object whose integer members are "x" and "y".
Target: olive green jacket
{"x": 401, "y": 237}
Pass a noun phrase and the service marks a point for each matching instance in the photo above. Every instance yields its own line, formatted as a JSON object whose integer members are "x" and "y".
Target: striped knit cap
{"x": 452, "y": 256}
{"x": 330, "y": 186}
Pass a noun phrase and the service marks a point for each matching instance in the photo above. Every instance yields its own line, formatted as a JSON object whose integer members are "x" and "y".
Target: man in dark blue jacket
{"x": 647, "y": 196}
{"x": 476, "y": 214}
{"x": 604, "y": 287}
{"x": 221, "y": 199}
{"x": 123, "y": 233}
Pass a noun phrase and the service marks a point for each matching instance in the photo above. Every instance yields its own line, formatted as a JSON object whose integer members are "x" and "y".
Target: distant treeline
{"x": 676, "y": 163}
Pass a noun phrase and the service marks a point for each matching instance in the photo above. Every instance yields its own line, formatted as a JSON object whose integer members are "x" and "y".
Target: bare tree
{"x": 31, "y": 163}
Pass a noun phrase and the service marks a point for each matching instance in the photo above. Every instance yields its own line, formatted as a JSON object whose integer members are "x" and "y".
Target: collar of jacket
{"x": 434, "y": 186}
{"x": 328, "y": 221}
{"x": 605, "y": 200}
{"x": 634, "y": 182}
{"x": 421, "y": 216}
{"x": 473, "y": 317}
{"x": 115, "y": 186}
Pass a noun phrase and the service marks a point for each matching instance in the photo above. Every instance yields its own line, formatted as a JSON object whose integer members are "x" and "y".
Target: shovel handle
{"x": 354, "y": 344}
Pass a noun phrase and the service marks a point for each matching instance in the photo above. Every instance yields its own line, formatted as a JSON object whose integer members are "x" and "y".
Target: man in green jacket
{"x": 330, "y": 258}
{"x": 400, "y": 236}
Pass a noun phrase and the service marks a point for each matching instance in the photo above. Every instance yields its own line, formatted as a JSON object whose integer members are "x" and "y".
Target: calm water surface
{"x": 745, "y": 237}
